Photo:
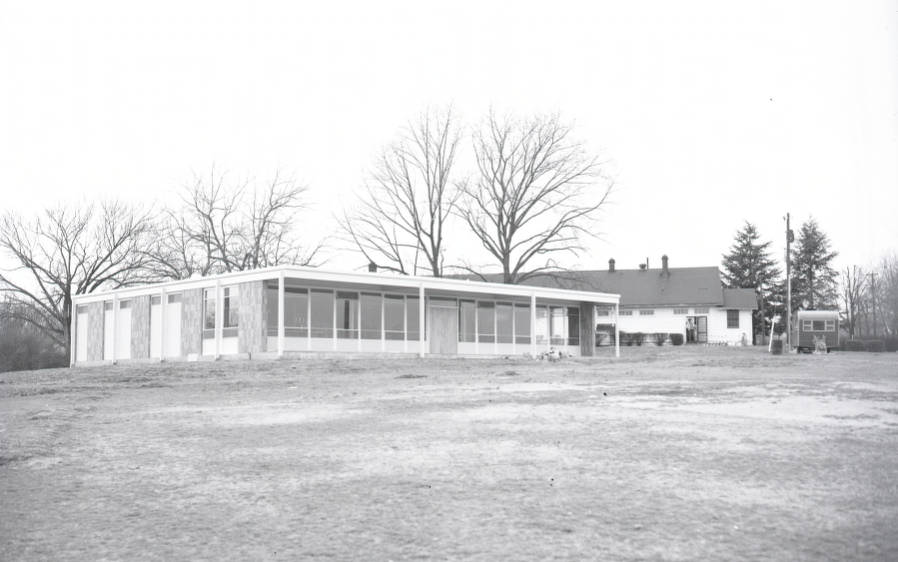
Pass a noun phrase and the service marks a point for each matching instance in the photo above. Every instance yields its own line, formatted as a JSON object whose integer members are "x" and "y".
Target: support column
{"x": 114, "y": 324}
{"x": 281, "y": 314}
{"x": 617, "y": 330}
{"x": 533, "y": 324}
{"x": 587, "y": 329}
{"x": 161, "y": 324}
{"x": 73, "y": 331}
{"x": 421, "y": 317}
{"x": 219, "y": 321}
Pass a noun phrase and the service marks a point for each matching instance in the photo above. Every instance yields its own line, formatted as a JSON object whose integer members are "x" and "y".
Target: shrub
{"x": 875, "y": 346}
{"x": 660, "y": 338}
{"x": 676, "y": 339}
{"x": 855, "y": 345}
{"x": 891, "y": 344}
{"x": 639, "y": 338}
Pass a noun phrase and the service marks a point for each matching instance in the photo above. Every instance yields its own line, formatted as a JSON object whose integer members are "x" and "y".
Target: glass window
{"x": 558, "y": 325}
{"x": 807, "y": 325}
{"x": 371, "y": 311}
{"x": 681, "y": 311}
{"x": 155, "y": 299}
{"x": 81, "y": 309}
{"x": 411, "y": 315}
{"x": 732, "y": 318}
{"x": 573, "y": 325}
{"x": 230, "y": 301}
{"x": 347, "y": 315}
{"x": 466, "y": 321}
{"x": 322, "y": 302}
{"x": 124, "y": 304}
{"x": 647, "y": 312}
{"x": 542, "y": 324}
{"x": 486, "y": 322}
{"x": 296, "y": 312}
{"x": 174, "y": 298}
{"x": 703, "y": 310}
{"x": 819, "y": 325}
{"x": 107, "y": 305}
{"x": 625, "y": 313}
{"x": 522, "y": 323}
{"x": 504, "y": 321}
{"x": 603, "y": 312}
{"x": 830, "y": 325}
{"x": 209, "y": 313}
{"x": 394, "y": 317}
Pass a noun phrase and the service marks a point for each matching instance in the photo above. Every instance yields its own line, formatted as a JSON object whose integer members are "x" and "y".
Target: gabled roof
{"x": 680, "y": 286}
{"x": 740, "y": 298}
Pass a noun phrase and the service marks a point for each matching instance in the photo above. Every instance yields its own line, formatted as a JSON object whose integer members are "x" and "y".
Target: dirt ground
{"x": 669, "y": 454}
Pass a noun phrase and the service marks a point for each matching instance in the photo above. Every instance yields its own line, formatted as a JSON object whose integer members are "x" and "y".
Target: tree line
{"x": 867, "y": 298}
{"x": 532, "y": 192}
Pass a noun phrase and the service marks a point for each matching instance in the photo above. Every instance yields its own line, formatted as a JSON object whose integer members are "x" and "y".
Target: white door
{"x": 81, "y": 337}
{"x": 108, "y": 334}
{"x": 123, "y": 330}
{"x": 172, "y": 336}
{"x": 155, "y": 330}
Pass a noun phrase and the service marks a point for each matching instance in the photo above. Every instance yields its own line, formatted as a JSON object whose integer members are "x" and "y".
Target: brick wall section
{"x": 140, "y": 327}
{"x": 192, "y": 322}
{"x": 587, "y": 329}
{"x": 94, "y": 333}
{"x": 251, "y": 332}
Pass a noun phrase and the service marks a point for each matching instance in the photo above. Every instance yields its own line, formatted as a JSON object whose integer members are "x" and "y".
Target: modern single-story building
{"x": 686, "y": 300}
{"x": 286, "y": 309}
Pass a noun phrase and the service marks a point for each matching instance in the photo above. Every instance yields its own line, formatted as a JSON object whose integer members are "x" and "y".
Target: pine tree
{"x": 749, "y": 265}
{"x": 813, "y": 278}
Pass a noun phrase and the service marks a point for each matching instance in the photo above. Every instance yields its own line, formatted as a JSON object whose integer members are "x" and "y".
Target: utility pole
{"x": 789, "y": 238}
{"x": 873, "y": 297}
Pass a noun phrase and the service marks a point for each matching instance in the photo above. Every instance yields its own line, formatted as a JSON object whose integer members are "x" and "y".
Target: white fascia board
{"x": 318, "y": 275}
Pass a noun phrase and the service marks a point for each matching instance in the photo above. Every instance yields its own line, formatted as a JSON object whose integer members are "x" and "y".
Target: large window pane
{"x": 371, "y": 304}
{"x": 466, "y": 321}
{"x": 271, "y": 309}
{"x": 504, "y": 323}
{"x": 394, "y": 317}
{"x": 486, "y": 322}
{"x": 296, "y": 311}
{"x": 347, "y": 315}
{"x": 558, "y": 325}
{"x": 411, "y": 314}
{"x": 522, "y": 323}
{"x": 542, "y": 324}
{"x": 573, "y": 325}
{"x": 322, "y": 313}
{"x": 230, "y": 306}
{"x": 209, "y": 313}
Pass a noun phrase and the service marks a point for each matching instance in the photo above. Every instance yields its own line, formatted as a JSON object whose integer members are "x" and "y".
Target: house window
{"x": 558, "y": 325}
{"x": 681, "y": 311}
{"x": 174, "y": 298}
{"x": 296, "y": 312}
{"x": 322, "y": 303}
{"x": 208, "y": 313}
{"x": 830, "y": 325}
{"x": 124, "y": 304}
{"x": 703, "y": 310}
{"x": 542, "y": 324}
{"x": 602, "y": 312}
{"x": 504, "y": 322}
{"x": 411, "y": 312}
{"x": 394, "y": 317}
{"x": 807, "y": 325}
{"x": 230, "y": 306}
{"x": 466, "y": 321}
{"x": 155, "y": 299}
{"x": 347, "y": 315}
{"x": 625, "y": 313}
{"x": 573, "y": 326}
{"x": 371, "y": 308}
{"x": 486, "y": 322}
{"x": 522, "y": 323}
{"x": 107, "y": 305}
{"x": 732, "y": 318}
{"x": 646, "y": 312}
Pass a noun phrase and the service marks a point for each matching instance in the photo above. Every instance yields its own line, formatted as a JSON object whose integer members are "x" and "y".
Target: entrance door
{"x": 697, "y": 329}
{"x": 443, "y": 328}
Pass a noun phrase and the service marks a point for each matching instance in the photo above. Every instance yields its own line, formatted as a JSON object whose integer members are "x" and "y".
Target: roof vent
{"x": 664, "y": 269}
{"x": 611, "y": 265}
{"x": 372, "y": 267}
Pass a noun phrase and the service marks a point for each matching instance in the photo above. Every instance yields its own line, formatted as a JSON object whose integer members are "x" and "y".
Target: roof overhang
{"x": 355, "y": 278}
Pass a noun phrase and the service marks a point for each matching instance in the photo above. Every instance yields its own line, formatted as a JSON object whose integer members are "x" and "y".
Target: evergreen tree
{"x": 749, "y": 265}
{"x": 813, "y": 278}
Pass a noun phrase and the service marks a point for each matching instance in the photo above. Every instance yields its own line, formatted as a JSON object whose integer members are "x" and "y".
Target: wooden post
{"x": 533, "y": 324}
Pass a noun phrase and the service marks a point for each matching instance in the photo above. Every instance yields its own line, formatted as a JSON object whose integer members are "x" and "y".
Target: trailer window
{"x": 807, "y": 325}
{"x": 830, "y": 325}
{"x": 819, "y": 325}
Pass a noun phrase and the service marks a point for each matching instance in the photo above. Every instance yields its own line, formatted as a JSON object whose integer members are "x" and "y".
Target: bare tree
{"x": 853, "y": 294}
{"x": 536, "y": 193}
{"x": 222, "y": 227}
{"x": 400, "y": 221}
{"x": 67, "y": 252}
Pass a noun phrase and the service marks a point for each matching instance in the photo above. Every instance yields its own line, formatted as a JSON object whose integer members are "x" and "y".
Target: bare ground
{"x": 673, "y": 454}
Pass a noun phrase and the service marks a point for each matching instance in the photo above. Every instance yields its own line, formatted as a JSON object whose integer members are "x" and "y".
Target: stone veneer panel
{"x": 140, "y": 327}
{"x": 94, "y": 333}
{"x": 251, "y": 331}
{"x": 192, "y": 322}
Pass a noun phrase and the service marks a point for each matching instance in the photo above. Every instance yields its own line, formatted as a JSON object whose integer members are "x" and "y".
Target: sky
{"x": 706, "y": 113}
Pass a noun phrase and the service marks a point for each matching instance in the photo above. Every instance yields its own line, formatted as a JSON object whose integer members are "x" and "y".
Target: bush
{"x": 659, "y": 338}
{"x": 855, "y": 345}
{"x": 676, "y": 339}
{"x": 639, "y": 338}
{"x": 891, "y": 344}
{"x": 875, "y": 346}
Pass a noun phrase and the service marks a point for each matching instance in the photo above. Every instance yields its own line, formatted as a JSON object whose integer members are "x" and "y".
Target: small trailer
{"x": 814, "y": 326}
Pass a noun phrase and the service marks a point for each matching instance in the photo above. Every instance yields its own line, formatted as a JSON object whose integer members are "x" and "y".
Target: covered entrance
{"x": 696, "y": 329}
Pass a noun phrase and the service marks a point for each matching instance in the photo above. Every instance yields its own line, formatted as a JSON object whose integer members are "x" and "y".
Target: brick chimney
{"x": 611, "y": 265}
{"x": 372, "y": 267}
{"x": 664, "y": 269}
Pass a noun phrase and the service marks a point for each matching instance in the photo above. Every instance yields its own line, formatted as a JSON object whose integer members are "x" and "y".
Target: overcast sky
{"x": 708, "y": 113}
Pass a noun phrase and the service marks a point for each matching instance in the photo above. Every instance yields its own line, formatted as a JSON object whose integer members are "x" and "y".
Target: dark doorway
{"x": 696, "y": 329}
